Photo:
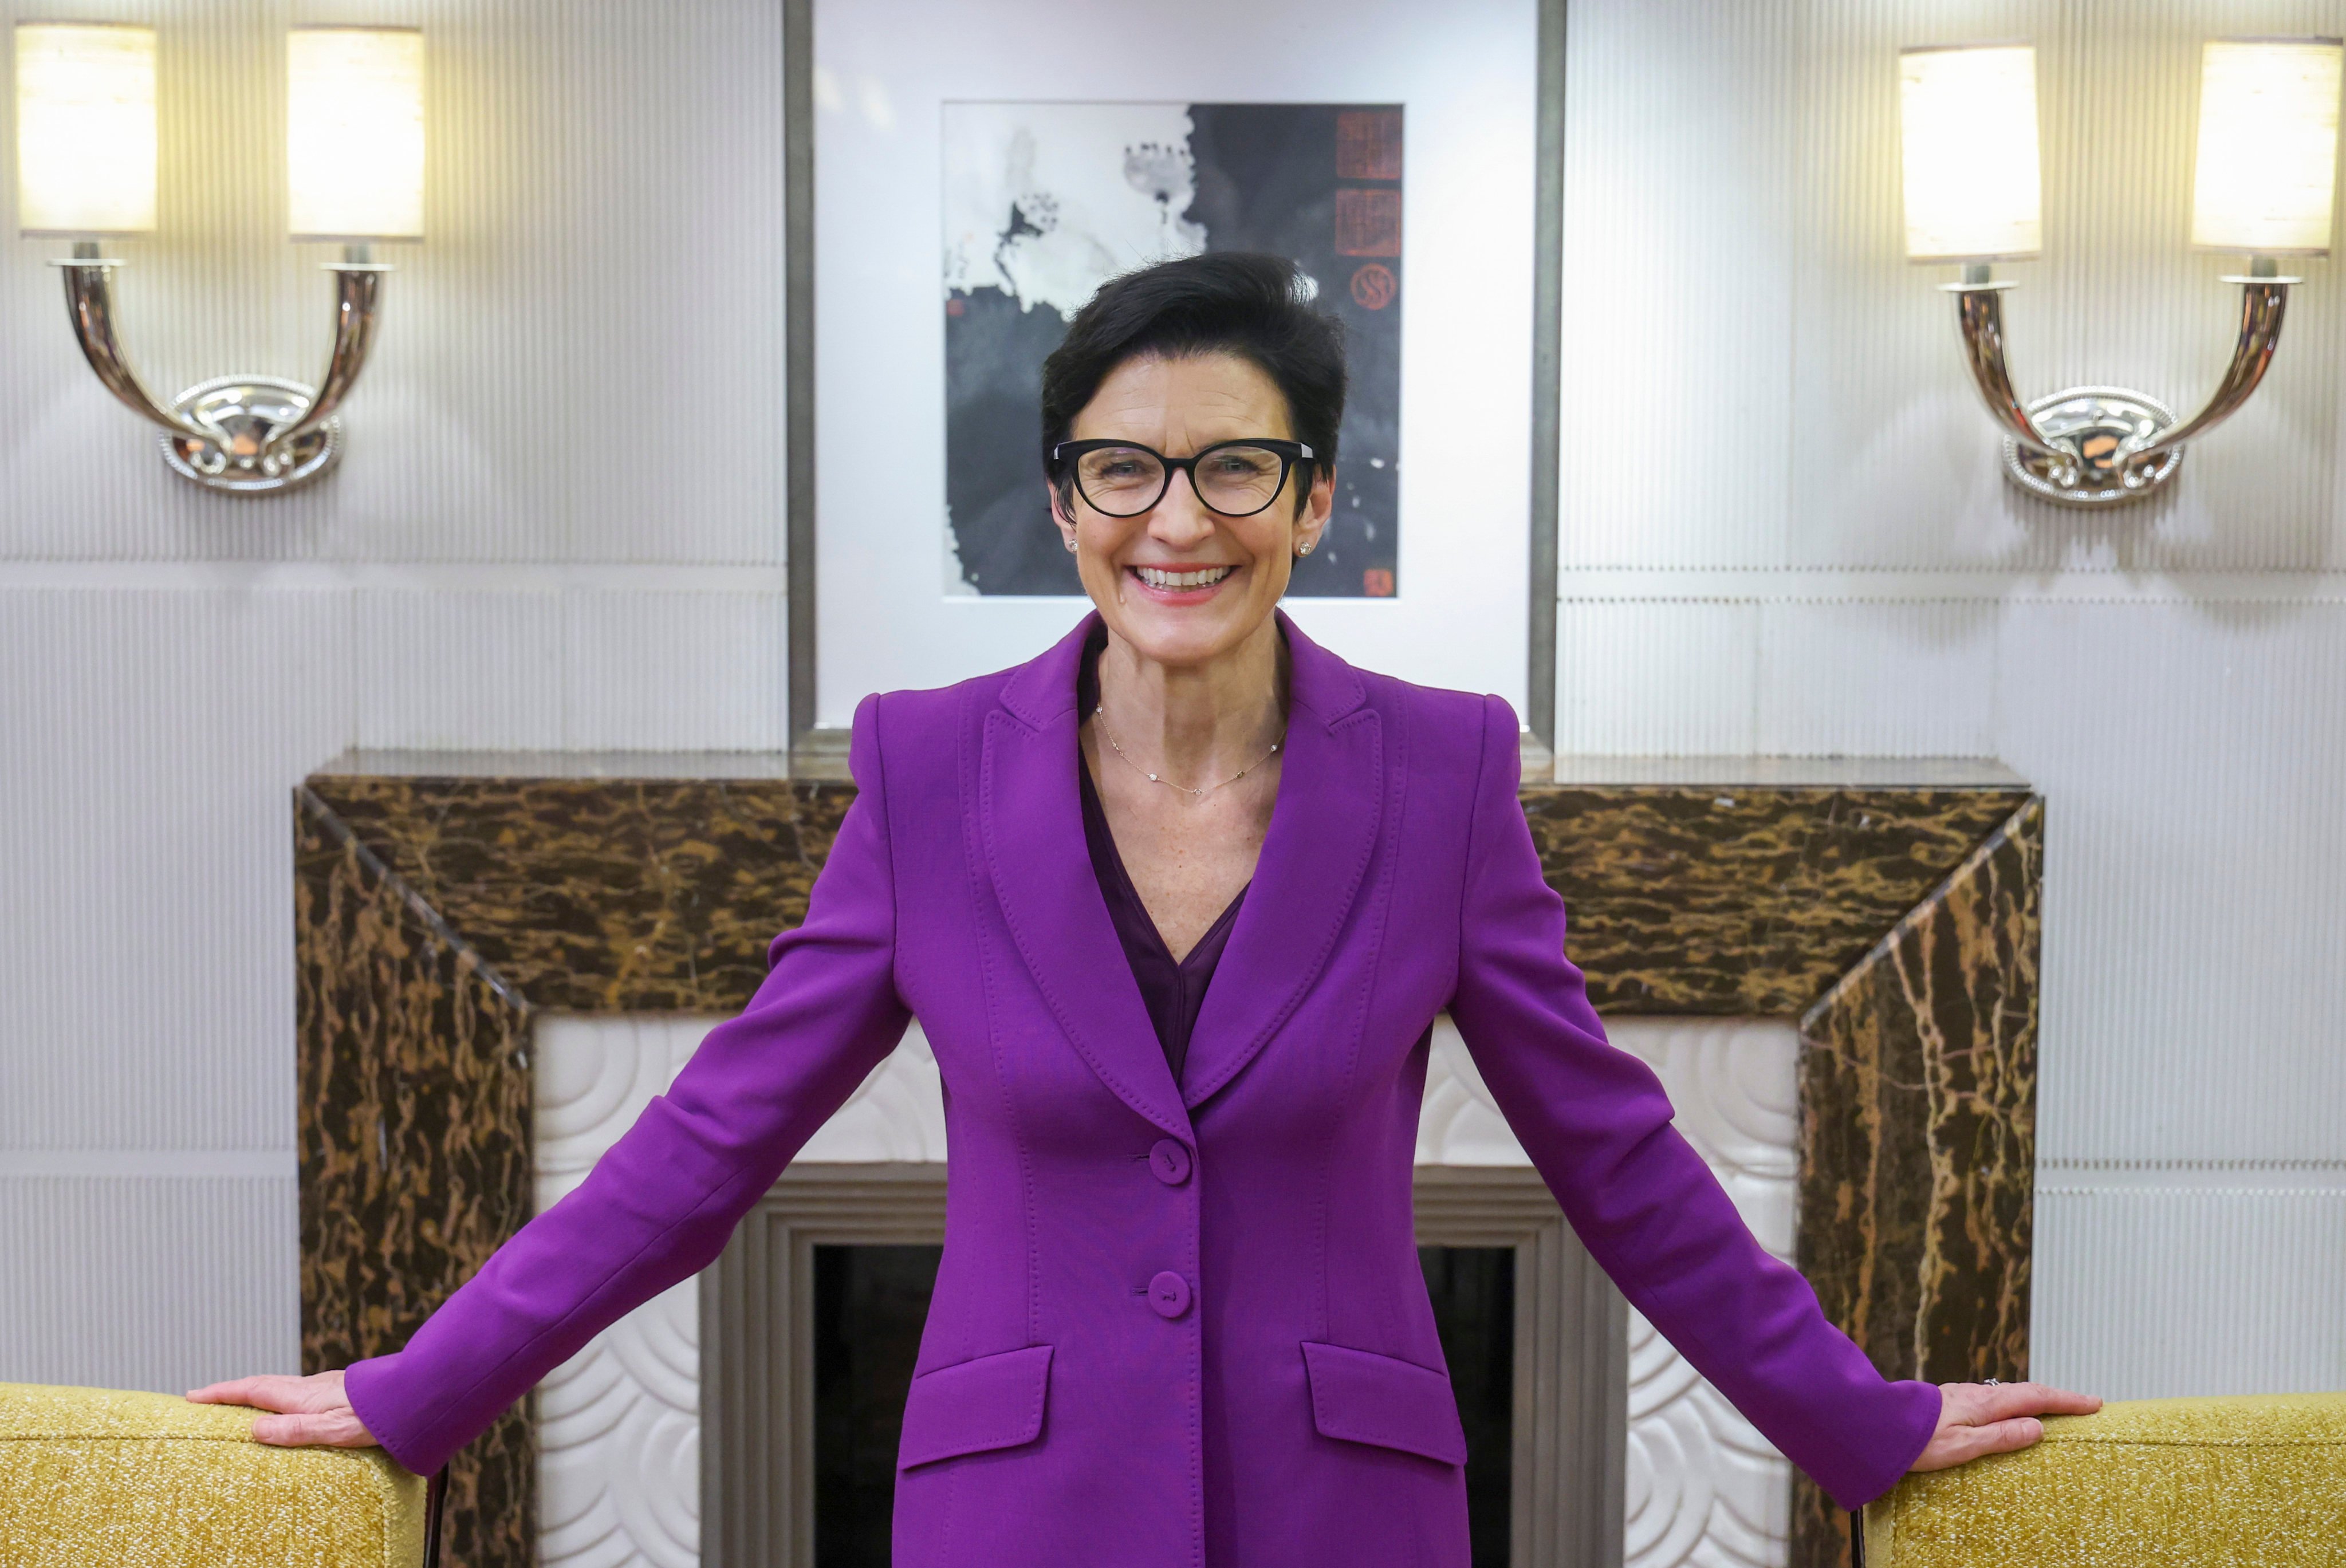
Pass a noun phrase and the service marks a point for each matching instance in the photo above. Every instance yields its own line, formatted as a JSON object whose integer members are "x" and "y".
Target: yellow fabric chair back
{"x": 148, "y": 1480}
{"x": 2257, "y": 1482}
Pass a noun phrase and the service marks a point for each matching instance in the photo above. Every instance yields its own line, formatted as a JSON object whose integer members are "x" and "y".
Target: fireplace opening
{"x": 811, "y": 1320}
{"x": 869, "y": 1304}
{"x": 1473, "y": 1290}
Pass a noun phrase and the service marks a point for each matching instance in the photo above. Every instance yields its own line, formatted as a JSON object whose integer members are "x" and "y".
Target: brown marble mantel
{"x": 1889, "y": 907}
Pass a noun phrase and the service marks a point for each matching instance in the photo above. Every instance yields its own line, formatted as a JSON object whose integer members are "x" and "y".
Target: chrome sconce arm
{"x": 244, "y": 435}
{"x": 2106, "y": 446}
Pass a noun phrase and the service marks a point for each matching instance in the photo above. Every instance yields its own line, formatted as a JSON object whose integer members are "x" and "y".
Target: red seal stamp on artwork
{"x": 1377, "y": 582}
{"x": 1368, "y": 221}
{"x": 1374, "y": 286}
{"x": 1368, "y": 144}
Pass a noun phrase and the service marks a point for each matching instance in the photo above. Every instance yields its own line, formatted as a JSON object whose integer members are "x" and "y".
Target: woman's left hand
{"x": 1994, "y": 1417}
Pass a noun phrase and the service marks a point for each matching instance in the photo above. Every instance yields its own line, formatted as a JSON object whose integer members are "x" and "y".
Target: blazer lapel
{"x": 1034, "y": 831}
{"x": 1323, "y": 828}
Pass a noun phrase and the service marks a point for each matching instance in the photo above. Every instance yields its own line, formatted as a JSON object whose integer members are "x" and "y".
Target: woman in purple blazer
{"x": 1177, "y": 904}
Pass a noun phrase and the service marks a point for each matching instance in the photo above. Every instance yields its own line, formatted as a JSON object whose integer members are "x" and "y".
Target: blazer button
{"x": 1171, "y": 1162}
{"x": 1169, "y": 1295}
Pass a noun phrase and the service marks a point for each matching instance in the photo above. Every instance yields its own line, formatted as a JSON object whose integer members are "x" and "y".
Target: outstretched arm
{"x": 1596, "y": 1122}
{"x": 661, "y": 1203}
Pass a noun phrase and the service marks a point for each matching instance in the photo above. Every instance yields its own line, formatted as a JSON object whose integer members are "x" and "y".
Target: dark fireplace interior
{"x": 1473, "y": 1293}
{"x": 869, "y": 1302}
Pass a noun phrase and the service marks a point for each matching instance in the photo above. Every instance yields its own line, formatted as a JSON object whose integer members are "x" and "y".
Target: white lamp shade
{"x": 354, "y": 133}
{"x": 2268, "y": 156}
{"x": 84, "y": 128}
{"x": 1968, "y": 139}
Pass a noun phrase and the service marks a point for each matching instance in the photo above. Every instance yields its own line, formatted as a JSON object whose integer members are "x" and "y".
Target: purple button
{"x": 1170, "y": 1162}
{"x": 1169, "y": 1295}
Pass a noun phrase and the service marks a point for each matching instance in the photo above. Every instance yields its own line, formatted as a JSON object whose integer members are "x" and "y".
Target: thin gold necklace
{"x": 1108, "y": 735}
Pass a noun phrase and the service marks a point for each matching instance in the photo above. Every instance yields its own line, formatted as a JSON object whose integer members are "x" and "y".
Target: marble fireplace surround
{"x": 1889, "y": 908}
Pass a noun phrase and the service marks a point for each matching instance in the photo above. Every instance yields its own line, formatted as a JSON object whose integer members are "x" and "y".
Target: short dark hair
{"x": 1256, "y": 307}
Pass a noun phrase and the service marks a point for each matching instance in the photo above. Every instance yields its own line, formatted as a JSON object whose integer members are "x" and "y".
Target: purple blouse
{"x": 1172, "y": 991}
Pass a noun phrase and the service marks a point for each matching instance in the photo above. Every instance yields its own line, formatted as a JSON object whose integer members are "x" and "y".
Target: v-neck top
{"x": 1172, "y": 991}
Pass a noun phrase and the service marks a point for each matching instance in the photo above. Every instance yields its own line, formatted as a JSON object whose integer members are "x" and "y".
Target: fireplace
{"x": 779, "y": 1377}
{"x": 1876, "y": 920}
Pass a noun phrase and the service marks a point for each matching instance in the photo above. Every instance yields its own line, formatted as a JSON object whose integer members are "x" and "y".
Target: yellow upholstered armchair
{"x": 112, "y": 1480}
{"x": 2257, "y": 1482}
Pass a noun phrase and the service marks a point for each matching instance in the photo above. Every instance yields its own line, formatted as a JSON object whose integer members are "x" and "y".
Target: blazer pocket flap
{"x": 994, "y": 1402}
{"x": 1362, "y": 1397}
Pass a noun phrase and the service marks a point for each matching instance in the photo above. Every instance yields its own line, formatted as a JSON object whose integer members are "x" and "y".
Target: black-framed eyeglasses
{"x": 1234, "y": 478}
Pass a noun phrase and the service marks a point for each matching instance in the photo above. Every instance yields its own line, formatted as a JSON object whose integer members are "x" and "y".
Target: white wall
{"x": 1781, "y": 523}
{"x": 560, "y": 525}
{"x": 1784, "y": 529}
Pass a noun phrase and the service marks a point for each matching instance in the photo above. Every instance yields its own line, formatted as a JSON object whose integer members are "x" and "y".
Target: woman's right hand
{"x": 311, "y": 1411}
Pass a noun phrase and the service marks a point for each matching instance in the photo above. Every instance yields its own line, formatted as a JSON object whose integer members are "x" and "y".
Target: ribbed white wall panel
{"x": 2175, "y": 1290}
{"x": 1678, "y": 253}
{"x": 1913, "y": 679}
{"x": 676, "y": 672}
{"x": 1653, "y": 679}
{"x": 163, "y": 1282}
{"x": 1753, "y": 374}
{"x": 2195, "y": 909}
{"x": 146, "y": 974}
{"x": 459, "y": 671}
{"x": 582, "y": 362}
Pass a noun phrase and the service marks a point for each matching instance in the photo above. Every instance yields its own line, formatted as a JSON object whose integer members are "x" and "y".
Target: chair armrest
{"x": 99, "y": 1475}
{"x": 2258, "y": 1479}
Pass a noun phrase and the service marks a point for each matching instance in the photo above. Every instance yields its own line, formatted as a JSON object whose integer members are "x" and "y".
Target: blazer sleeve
{"x": 660, "y": 1205}
{"x": 1596, "y": 1124}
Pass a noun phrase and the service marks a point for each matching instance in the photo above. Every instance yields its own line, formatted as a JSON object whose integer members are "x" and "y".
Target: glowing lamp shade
{"x": 84, "y": 128}
{"x": 354, "y": 133}
{"x": 1968, "y": 139}
{"x": 2267, "y": 145}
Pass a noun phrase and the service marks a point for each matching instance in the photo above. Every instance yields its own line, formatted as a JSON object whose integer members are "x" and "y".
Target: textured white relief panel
{"x": 898, "y": 1113}
{"x": 676, "y": 671}
{"x": 1459, "y": 1123}
{"x": 459, "y": 671}
{"x": 582, "y": 361}
{"x": 149, "y": 743}
{"x": 620, "y": 1436}
{"x": 161, "y": 1282}
{"x": 1704, "y": 1487}
{"x": 2195, "y": 926}
{"x": 1677, "y": 341}
{"x": 1645, "y": 677}
{"x": 2233, "y": 1287}
{"x": 619, "y": 1423}
{"x": 1870, "y": 680}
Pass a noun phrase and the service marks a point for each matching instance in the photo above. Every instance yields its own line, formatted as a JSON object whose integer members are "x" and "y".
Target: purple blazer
{"x": 1175, "y": 1326}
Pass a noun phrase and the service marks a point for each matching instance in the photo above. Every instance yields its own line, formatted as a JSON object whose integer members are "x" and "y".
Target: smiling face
{"x": 1181, "y": 584}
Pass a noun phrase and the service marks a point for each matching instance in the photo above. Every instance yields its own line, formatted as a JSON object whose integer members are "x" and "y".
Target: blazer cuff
{"x": 370, "y": 1385}
{"x": 1910, "y": 1430}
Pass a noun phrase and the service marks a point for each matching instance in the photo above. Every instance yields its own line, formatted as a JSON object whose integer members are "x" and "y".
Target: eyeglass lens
{"x": 1125, "y": 481}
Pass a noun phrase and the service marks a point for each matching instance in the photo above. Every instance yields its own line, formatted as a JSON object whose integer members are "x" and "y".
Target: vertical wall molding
{"x": 797, "y": 350}
{"x": 1547, "y": 369}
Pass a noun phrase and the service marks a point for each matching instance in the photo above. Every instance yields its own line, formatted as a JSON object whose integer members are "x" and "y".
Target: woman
{"x": 1177, "y": 904}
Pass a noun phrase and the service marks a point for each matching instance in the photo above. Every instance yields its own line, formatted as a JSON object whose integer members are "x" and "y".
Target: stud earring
{"x": 1070, "y": 544}
{"x": 1304, "y": 548}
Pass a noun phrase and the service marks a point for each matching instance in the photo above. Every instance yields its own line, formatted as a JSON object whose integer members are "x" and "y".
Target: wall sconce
{"x": 2266, "y": 166}
{"x": 354, "y": 158}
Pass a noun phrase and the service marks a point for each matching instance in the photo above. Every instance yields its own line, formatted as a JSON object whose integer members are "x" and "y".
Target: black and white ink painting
{"x": 1044, "y": 202}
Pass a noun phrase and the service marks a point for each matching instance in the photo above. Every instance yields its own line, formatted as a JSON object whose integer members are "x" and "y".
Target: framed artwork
{"x": 962, "y": 177}
{"x": 1044, "y": 202}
